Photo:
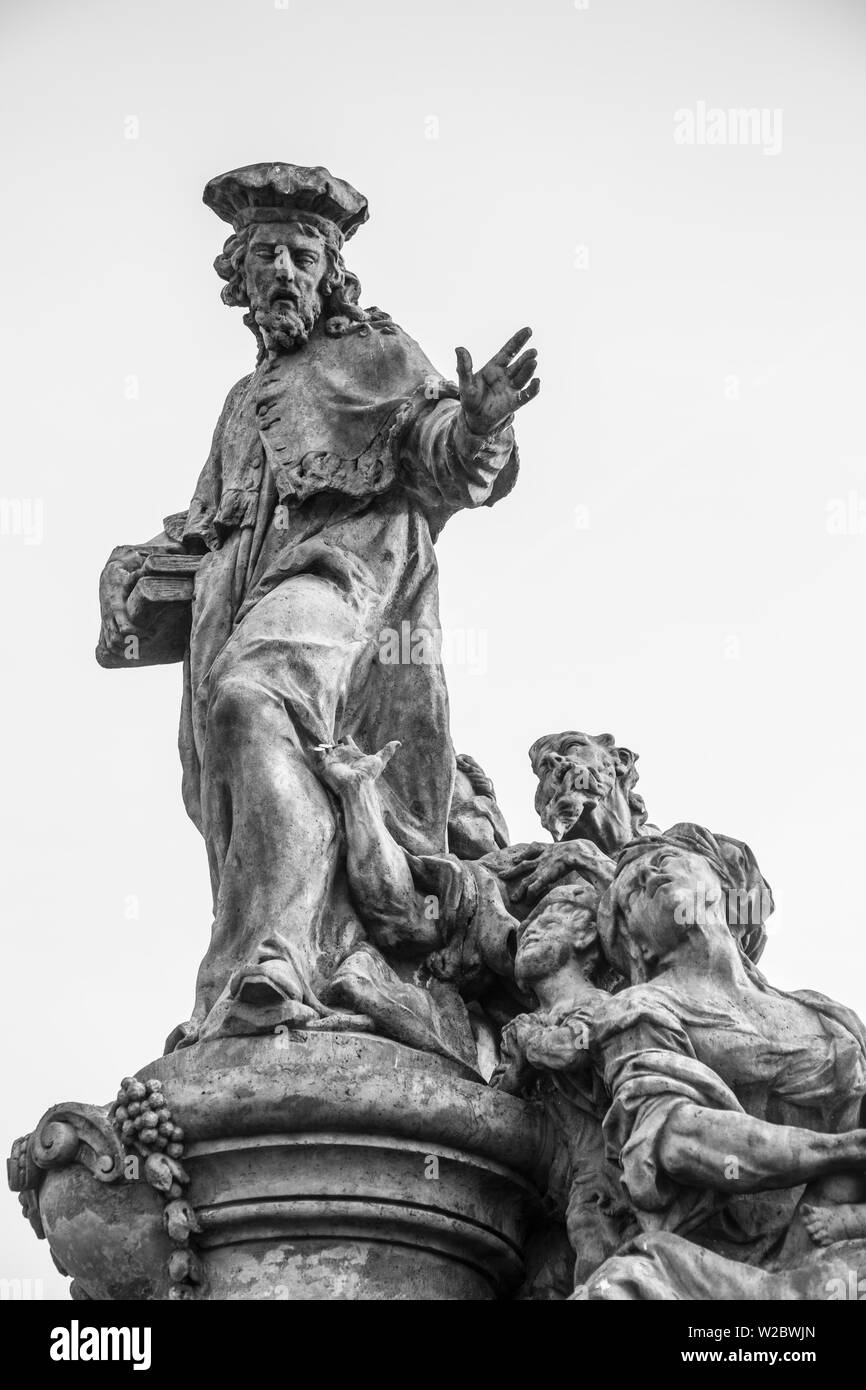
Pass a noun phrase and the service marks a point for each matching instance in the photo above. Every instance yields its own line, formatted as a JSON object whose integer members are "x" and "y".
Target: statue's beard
{"x": 286, "y": 328}
{"x": 576, "y": 801}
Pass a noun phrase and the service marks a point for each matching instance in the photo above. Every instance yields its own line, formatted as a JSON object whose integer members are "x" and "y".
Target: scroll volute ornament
{"x": 67, "y": 1133}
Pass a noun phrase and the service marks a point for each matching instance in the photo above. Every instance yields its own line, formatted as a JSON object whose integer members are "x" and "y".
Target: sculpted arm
{"x": 672, "y": 1118}
{"x": 462, "y": 446}
{"x": 379, "y": 875}
{"x": 734, "y": 1152}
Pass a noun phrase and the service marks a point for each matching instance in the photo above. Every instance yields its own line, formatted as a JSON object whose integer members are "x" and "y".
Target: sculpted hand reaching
{"x": 494, "y": 393}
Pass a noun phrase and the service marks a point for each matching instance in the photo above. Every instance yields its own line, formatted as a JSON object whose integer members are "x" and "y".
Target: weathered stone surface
{"x": 320, "y": 1166}
{"x": 110, "y": 1239}
{"x": 333, "y": 469}
{"x": 733, "y": 1111}
{"x": 423, "y": 1062}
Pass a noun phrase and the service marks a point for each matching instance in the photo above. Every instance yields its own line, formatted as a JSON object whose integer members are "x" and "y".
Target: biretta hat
{"x": 267, "y": 192}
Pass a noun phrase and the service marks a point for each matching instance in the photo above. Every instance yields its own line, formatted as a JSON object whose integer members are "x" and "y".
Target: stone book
{"x": 160, "y": 606}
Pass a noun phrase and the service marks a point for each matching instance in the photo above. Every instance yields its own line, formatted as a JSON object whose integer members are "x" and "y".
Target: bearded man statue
{"x": 334, "y": 466}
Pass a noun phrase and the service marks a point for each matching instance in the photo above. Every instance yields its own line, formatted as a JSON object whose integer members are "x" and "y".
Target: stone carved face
{"x": 561, "y": 930}
{"x": 662, "y": 895}
{"x": 585, "y": 789}
{"x": 284, "y": 268}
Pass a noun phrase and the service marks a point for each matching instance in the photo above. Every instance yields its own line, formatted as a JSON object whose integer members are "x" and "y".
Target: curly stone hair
{"x": 340, "y": 289}
{"x": 477, "y": 777}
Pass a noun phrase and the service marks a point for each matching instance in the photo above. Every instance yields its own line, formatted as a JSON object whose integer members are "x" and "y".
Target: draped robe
{"x": 654, "y": 1047}
{"x": 332, "y": 472}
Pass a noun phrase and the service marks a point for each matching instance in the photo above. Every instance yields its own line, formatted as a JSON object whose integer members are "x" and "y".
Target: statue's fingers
{"x": 519, "y": 376}
{"x": 513, "y": 346}
{"x": 126, "y": 556}
{"x": 521, "y": 866}
{"x": 387, "y": 753}
{"x": 121, "y": 618}
{"x": 110, "y": 637}
{"x": 548, "y": 872}
{"x": 529, "y": 392}
{"x": 530, "y": 355}
{"x": 464, "y": 367}
{"x": 531, "y": 851}
{"x": 538, "y": 882}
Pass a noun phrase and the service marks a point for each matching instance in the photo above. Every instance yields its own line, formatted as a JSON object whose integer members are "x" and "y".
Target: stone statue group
{"x": 707, "y": 1133}
{"x": 710, "y": 1140}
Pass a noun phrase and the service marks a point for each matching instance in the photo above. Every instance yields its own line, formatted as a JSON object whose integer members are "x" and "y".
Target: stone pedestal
{"x": 319, "y": 1166}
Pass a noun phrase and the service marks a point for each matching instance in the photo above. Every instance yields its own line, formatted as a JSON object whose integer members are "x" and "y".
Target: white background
{"x": 664, "y": 570}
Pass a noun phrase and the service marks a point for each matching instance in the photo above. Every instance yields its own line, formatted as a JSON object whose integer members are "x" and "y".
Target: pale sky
{"x": 683, "y": 562}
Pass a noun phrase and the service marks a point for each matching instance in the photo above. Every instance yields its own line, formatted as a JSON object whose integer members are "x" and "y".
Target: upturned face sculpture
{"x": 659, "y": 898}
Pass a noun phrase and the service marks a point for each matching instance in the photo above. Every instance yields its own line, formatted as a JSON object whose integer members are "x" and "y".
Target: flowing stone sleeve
{"x": 650, "y": 1069}
{"x": 200, "y": 525}
{"x": 449, "y": 467}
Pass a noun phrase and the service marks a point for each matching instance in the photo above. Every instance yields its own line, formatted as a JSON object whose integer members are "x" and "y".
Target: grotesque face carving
{"x": 585, "y": 789}
{"x": 284, "y": 267}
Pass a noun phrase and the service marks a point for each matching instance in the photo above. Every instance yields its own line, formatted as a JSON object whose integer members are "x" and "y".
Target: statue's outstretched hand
{"x": 344, "y": 768}
{"x": 122, "y": 569}
{"x": 490, "y": 395}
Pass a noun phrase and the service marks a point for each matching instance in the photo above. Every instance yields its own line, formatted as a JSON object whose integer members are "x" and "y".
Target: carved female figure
{"x": 735, "y": 1107}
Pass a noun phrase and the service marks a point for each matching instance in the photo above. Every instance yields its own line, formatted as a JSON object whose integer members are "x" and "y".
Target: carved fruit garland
{"x": 148, "y": 1128}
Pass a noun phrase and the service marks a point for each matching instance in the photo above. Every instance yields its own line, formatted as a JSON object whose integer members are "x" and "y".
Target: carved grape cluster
{"x": 144, "y": 1119}
{"x": 147, "y": 1126}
